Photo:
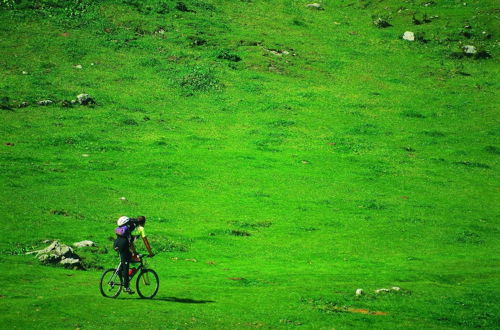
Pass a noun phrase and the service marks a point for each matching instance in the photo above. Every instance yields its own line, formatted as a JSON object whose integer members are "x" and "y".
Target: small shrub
{"x": 469, "y": 237}
{"x": 235, "y": 232}
{"x": 200, "y": 79}
{"x": 373, "y": 205}
{"x": 281, "y": 123}
{"x": 413, "y": 114}
{"x": 381, "y": 22}
{"x": 492, "y": 150}
{"x": 298, "y": 22}
{"x": 473, "y": 164}
{"x": 228, "y": 55}
{"x": 434, "y": 133}
{"x": 150, "y": 62}
{"x": 130, "y": 122}
{"x": 167, "y": 245}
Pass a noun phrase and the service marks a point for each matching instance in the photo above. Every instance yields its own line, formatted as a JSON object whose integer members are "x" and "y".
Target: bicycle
{"x": 147, "y": 283}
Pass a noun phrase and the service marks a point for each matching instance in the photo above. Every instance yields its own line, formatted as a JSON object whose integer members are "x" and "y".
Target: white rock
{"x": 395, "y": 288}
{"x": 85, "y": 155}
{"x": 78, "y": 66}
{"x": 84, "y": 244}
{"x": 382, "y": 290}
{"x": 45, "y": 102}
{"x": 84, "y": 99}
{"x": 469, "y": 49}
{"x": 359, "y": 292}
{"x": 70, "y": 262}
{"x": 408, "y": 35}
{"x": 314, "y": 6}
{"x": 25, "y": 72}
{"x": 123, "y": 198}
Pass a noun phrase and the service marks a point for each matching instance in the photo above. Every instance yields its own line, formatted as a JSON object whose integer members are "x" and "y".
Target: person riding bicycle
{"x": 139, "y": 232}
{"x": 123, "y": 245}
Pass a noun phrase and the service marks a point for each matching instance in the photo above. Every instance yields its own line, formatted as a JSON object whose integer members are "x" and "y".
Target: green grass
{"x": 307, "y": 152}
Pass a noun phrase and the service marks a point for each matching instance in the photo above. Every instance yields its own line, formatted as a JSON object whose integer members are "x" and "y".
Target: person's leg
{"x": 125, "y": 261}
{"x": 125, "y": 257}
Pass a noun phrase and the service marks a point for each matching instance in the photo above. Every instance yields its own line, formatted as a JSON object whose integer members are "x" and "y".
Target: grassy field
{"x": 284, "y": 157}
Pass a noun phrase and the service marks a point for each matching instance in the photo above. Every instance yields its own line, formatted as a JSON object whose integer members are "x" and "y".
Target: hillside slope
{"x": 284, "y": 156}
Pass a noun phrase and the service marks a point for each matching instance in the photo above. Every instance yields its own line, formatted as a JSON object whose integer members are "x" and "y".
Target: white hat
{"x": 122, "y": 220}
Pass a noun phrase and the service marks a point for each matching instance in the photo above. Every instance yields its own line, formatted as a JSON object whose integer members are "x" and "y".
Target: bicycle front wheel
{"x": 110, "y": 284}
{"x": 147, "y": 284}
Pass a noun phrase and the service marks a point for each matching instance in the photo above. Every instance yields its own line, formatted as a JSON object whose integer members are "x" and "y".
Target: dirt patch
{"x": 359, "y": 311}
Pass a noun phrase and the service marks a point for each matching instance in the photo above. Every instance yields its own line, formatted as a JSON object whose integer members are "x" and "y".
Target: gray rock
{"x": 469, "y": 49}
{"x": 70, "y": 261}
{"x": 84, "y": 244}
{"x": 45, "y": 102}
{"x": 316, "y": 6}
{"x": 49, "y": 258}
{"x": 408, "y": 35}
{"x": 84, "y": 99}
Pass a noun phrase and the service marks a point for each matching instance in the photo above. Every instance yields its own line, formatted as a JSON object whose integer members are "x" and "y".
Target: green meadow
{"x": 283, "y": 155}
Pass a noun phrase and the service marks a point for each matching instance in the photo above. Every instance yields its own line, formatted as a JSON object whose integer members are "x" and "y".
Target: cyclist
{"x": 123, "y": 244}
{"x": 139, "y": 232}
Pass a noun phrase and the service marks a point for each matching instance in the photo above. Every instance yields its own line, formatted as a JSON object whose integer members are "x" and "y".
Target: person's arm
{"x": 148, "y": 247}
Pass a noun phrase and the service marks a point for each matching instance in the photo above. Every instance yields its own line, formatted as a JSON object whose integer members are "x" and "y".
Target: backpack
{"x": 125, "y": 230}
{"x": 122, "y": 230}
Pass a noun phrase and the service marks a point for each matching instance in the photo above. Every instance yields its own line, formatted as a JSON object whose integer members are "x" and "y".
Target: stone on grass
{"x": 383, "y": 290}
{"x": 23, "y": 104}
{"x": 84, "y": 244}
{"x": 78, "y": 66}
{"x": 315, "y": 5}
{"x": 84, "y": 99}
{"x": 70, "y": 262}
{"x": 57, "y": 253}
{"x": 359, "y": 292}
{"x": 396, "y": 288}
{"x": 408, "y": 35}
{"x": 45, "y": 102}
{"x": 469, "y": 49}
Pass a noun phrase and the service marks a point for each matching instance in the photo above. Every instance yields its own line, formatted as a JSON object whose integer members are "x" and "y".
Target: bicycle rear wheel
{"x": 110, "y": 284}
{"x": 147, "y": 284}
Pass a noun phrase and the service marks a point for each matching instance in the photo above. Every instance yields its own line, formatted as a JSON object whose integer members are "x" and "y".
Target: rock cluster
{"x": 58, "y": 253}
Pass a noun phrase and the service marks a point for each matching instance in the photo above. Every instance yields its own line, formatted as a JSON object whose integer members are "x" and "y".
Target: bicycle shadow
{"x": 183, "y": 300}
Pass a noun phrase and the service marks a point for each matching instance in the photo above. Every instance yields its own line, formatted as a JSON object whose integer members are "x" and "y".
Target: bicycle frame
{"x": 117, "y": 271}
